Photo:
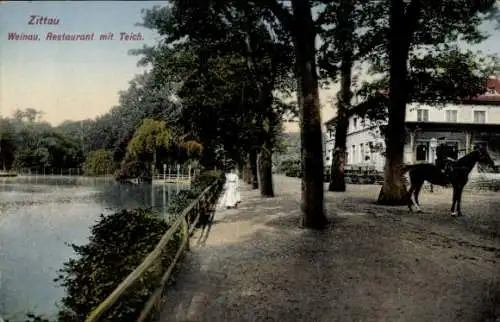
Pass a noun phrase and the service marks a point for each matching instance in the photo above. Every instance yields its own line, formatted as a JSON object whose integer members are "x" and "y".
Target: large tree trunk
{"x": 241, "y": 170}
{"x": 337, "y": 180}
{"x": 310, "y": 117}
{"x": 265, "y": 165}
{"x": 247, "y": 173}
{"x": 393, "y": 190}
{"x": 253, "y": 169}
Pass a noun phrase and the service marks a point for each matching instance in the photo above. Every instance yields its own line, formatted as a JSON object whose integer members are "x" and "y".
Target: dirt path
{"x": 375, "y": 263}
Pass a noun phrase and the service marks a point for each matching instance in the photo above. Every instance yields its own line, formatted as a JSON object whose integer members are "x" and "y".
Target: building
{"x": 460, "y": 126}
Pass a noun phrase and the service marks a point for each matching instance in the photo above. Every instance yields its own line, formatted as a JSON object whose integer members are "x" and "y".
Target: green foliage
{"x": 291, "y": 168}
{"x": 7, "y": 144}
{"x": 225, "y": 75}
{"x": 113, "y": 130}
{"x": 206, "y": 178}
{"x": 118, "y": 244}
{"x": 150, "y": 136}
{"x": 181, "y": 200}
{"x": 132, "y": 169}
{"x": 99, "y": 162}
{"x": 27, "y": 142}
{"x": 192, "y": 149}
{"x": 154, "y": 142}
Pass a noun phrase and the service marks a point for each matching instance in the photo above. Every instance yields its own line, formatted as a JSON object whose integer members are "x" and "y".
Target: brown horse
{"x": 457, "y": 176}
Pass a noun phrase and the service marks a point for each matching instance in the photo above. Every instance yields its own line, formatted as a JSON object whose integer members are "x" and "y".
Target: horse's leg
{"x": 453, "y": 203}
{"x": 460, "y": 190}
{"x": 417, "y": 192}
{"x": 410, "y": 199}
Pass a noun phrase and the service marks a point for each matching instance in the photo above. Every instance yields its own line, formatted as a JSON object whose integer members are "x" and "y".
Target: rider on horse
{"x": 443, "y": 162}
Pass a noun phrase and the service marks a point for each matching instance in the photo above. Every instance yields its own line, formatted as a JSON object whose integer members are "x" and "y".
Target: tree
{"x": 410, "y": 32}
{"x": 338, "y": 49}
{"x": 27, "y": 142}
{"x": 149, "y": 137}
{"x": 300, "y": 25}
{"x": 348, "y": 38}
{"x": 99, "y": 162}
{"x": 7, "y": 144}
{"x": 236, "y": 40}
{"x": 30, "y": 115}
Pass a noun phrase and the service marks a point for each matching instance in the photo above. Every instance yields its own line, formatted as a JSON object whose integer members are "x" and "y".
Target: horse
{"x": 457, "y": 176}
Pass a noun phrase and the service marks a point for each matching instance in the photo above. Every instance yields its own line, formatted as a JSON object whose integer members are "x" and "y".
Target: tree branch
{"x": 281, "y": 13}
{"x": 412, "y": 16}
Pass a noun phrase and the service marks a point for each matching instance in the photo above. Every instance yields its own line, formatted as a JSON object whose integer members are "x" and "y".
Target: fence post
{"x": 178, "y": 176}
{"x": 187, "y": 229}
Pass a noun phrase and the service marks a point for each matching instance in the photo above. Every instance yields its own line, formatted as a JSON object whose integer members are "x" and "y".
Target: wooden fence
{"x": 186, "y": 221}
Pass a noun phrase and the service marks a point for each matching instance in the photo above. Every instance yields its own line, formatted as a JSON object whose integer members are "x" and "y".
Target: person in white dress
{"x": 231, "y": 196}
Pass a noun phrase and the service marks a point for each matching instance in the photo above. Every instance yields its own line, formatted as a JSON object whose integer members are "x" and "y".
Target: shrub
{"x": 291, "y": 168}
{"x": 99, "y": 162}
{"x": 181, "y": 200}
{"x": 118, "y": 244}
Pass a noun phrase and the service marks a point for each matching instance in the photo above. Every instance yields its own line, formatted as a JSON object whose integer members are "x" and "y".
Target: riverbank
{"x": 38, "y": 215}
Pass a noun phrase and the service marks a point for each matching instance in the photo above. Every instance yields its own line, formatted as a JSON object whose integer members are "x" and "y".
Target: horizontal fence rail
{"x": 186, "y": 221}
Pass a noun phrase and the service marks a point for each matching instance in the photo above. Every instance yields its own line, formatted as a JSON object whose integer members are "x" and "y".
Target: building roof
{"x": 493, "y": 83}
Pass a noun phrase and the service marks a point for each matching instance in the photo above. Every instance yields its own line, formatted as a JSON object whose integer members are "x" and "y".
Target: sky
{"x": 75, "y": 80}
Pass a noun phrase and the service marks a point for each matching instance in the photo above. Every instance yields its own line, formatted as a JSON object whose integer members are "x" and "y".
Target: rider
{"x": 443, "y": 162}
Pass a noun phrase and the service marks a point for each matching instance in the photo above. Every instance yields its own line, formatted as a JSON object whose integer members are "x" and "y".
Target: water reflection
{"x": 38, "y": 215}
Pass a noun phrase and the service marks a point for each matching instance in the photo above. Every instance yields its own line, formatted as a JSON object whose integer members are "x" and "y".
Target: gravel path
{"x": 375, "y": 264}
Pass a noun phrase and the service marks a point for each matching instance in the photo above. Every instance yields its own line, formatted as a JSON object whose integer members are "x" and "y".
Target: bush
{"x": 181, "y": 200}
{"x": 118, "y": 244}
{"x": 99, "y": 162}
{"x": 133, "y": 169}
{"x": 206, "y": 178}
{"x": 291, "y": 168}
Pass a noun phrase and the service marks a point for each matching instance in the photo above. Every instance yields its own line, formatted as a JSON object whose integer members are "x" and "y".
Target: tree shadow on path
{"x": 372, "y": 265}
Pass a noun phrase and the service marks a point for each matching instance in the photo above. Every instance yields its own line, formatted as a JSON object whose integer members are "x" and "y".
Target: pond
{"x": 39, "y": 216}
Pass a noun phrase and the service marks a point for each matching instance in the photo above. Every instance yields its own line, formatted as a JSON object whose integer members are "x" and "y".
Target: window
{"x": 451, "y": 116}
{"x": 361, "y": 152}
{"x": 355, "y": 122}
{"x": 370, "y": 151}
{"x": 479, "y": 116}
{"x": 422, "y": 152}
{"x": 353, "y": 154}
{"x": 422, "y": 115}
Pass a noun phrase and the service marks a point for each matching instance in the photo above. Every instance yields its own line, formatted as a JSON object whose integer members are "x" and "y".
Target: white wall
{"x": 364, "y": 137}
{"x": 465, "y": 113}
